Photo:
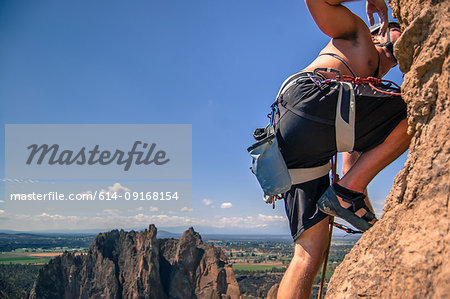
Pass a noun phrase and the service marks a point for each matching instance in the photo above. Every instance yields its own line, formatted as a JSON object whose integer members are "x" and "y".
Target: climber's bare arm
{"x": 334, "y": 19}
{"x": 337, "y": 21}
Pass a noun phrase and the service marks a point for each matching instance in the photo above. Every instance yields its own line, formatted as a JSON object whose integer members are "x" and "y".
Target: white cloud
{"x": 111, "y": 211}
{"x": 2, "y": 201}
{"x": 108, "y": 221}
{"x": 270, "y": 218}
{"x": 153, "y": 209}
{"x": 207, "y": 202}
{"x": 2, "y": 211}
{"x": 186, "y": 209}
{"x": 226, "y": 205}
{"x": 117, "y": 187}
{"x": 19, "y": 180}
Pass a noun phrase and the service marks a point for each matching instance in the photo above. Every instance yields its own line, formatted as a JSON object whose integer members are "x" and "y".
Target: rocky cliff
{"x": 133, "y": 264}
{"x": 407, "y": 253}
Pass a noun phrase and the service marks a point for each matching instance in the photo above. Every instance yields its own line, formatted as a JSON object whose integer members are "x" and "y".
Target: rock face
{"x": 133, "y": 264}
{"x": 272, "y": 294}
{"x": 407, "y": 253}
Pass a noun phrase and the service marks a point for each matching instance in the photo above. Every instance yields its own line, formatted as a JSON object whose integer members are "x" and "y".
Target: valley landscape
{"x": 254, "y": 262}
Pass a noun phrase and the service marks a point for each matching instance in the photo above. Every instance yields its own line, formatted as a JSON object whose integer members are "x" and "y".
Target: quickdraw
{"x": 346, "y": 228}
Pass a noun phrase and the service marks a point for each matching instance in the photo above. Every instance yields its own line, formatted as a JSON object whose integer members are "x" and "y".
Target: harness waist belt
{"x": 344, "y": 121}
{"x": 302, "y": 175}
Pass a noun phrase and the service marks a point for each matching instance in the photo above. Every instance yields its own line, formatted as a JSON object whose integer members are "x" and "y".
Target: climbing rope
{"x": 371, "y": 81}
{"x": 334, "y": 178}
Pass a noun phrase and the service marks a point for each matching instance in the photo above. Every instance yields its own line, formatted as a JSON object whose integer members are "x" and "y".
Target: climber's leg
{"x": 370, "y": 163}
{"x": 309, "y": 251}
{"x": 348, "y": 160}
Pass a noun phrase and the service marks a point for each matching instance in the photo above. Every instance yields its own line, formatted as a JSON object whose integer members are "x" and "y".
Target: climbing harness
{"x": 267, "y": 161}
{"x": 268, "y": 164}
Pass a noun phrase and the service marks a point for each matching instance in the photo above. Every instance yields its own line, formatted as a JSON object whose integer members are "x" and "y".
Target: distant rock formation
{"x": 407, "y": 253}
{"x": 133, "y": 264}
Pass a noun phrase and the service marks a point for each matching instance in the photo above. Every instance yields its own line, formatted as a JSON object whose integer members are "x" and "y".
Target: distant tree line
{"x": 16, "y": 280}
{"x": 10, "y": 242}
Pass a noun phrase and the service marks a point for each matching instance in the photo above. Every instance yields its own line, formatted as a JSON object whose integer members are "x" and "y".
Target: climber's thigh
{"x": 300, "y": 204}
{"x": 375, "y": 119}
{"x": 312, "y": 243}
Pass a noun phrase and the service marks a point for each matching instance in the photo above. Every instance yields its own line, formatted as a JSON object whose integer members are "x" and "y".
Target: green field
{"x": 254, "y": 267}
{"x": 14, "y": 258}
{"x": 24, "y": 260}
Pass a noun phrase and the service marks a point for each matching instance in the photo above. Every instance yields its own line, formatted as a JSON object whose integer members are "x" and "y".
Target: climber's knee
{"x": 310, "y": 247}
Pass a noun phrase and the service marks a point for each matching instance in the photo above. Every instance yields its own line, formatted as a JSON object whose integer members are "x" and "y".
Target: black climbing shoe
{"x": 329, "y": 204}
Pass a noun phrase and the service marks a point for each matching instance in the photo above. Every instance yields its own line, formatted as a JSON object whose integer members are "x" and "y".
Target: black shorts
{"x": 307, "y": 137}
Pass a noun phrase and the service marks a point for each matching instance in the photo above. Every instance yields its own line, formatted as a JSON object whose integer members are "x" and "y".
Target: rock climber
{"x": 306, "y": 132}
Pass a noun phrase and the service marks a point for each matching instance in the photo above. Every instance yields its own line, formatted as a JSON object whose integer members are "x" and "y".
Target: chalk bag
{"x": 268, "y": 164}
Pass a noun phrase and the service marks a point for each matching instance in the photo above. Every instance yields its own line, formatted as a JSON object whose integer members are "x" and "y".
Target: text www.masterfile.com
{"x": 103, "y": 196}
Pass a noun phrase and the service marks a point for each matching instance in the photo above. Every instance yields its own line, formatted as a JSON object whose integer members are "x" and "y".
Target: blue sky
{"x": 214, "y": 64}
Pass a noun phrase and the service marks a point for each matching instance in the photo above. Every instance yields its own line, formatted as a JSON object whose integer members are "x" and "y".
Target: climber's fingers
{"x": 378, "y": 7}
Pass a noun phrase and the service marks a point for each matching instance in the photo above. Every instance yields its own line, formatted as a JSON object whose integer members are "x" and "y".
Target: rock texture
{"x": 407, "y": 253}
{"x": 133, "y": 264}
{"x": 272, "y": 294}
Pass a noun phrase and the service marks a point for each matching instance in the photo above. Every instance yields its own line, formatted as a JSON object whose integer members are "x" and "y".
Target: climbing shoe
{"x": 329, "y": 204}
